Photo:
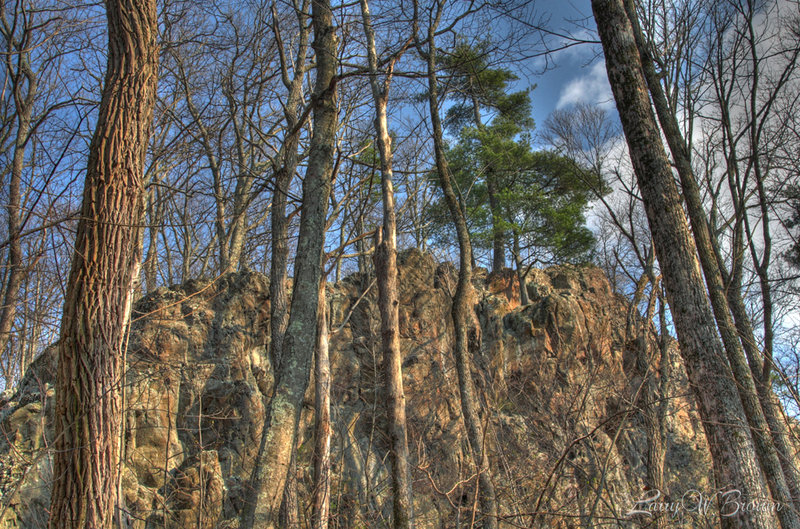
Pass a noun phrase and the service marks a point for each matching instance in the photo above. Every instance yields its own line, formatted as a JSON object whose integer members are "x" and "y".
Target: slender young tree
{"x": 462, "y": 310}
{"x": 292, "y": 76}
{"x": 279, "y": 264}
{"x": 321, "y": 500}
{"x": 24, "y": 85}
{"x": 283, "y": 415}
{"x": 386, "y": 272}
{"x": 104, "y": 266}
{"x": 735, "y": 463}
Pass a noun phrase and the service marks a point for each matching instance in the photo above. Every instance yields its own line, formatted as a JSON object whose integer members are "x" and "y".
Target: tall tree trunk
{"x": 104, "y": 266}
{"x": 462, "y": 310}
{"x": 320, "y": 506}
{"x": 653, "y": 396}
{"x": 24, "y": 90}
{"x": 656, "y": 409}
{"x": 238, "y": 227}
{"x": 278, "y": 272}
{"x": 279, "y": 265}
{"x": 283, "y": 415}
{"x": 155, "y": 220}
{"x": 386, "y": 274}
{"x": 765, "y": 449}
{"x": 735, "y": 463}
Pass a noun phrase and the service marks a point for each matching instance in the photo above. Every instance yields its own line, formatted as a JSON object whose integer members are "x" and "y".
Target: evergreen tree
{"x": 540, "y": 198}
{"x": 531, "y": 202}
{"x": 476, "y": 87}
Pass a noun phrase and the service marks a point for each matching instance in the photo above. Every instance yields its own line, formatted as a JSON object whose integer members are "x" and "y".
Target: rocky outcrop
{"x": 556, "y": 378}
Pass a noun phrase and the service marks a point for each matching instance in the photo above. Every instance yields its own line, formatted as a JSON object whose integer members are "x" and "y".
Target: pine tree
{"x": 531, "y": 202}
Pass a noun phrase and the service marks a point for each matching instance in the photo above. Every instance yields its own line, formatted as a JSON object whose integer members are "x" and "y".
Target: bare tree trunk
{"x": 278, "y": 272}
{"x": 463, "y": 298}
{"x": 521, "y": 272}
{"x": 15, "y": 271}
{"x": 765, "y": 449}
{"x": 104, "y": 266}
{"x": 772, "y": 408}
{"x": 653, "y": 410}
{"x": 279, "y": 265}
{"x": 498, "y": 240}
{"x": 238, "y": 228}
{"x": 283, "y": 415}
{"x": 187, "y": 248}
{"x": 769, "y": 402}
{"x": 24, "y": 85}
{"x": 320, "y": 506}
{"x": 656, "y": 412}
{"x": 723, "y": 417}
{"x": 155, "y": 220}
{"x": 386, "y": 273}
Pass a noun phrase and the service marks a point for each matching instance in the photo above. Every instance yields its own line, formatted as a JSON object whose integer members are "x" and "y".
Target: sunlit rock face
{"x": 557, "y": 379}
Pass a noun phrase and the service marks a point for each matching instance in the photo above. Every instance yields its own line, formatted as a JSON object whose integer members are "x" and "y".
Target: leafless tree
{"x": 104, "y": 266}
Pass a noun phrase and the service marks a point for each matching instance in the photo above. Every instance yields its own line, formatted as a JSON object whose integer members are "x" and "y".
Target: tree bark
{"x": 656, "y": 413}
{"x": 386, "y": 273}
{"x": 283, "y": 415}
{"x": 732, "y": 448}
{"x": 24, "y": 85}
{"x": 320, "y": 506}
{"x": 104, "y": 266}
{"x": 523, "y": 288}
{"x": 463, "y": 297}
{"x": 652, "y": 396}
{"x": 769, "y": 402}
{"x": 278, "y": 272}
{"x": 498, "y": 238}
{"x": 279, "y": 266}
{"x": 765, "y": 449}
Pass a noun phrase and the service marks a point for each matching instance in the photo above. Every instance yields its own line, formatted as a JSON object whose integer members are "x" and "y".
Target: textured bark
{"x": 765, "y": 449}
{"x": 280, "y": 430}
{"x": 15, "y": 270}
{"x": 386, "y": 275}
{"x": 732, "y": 448}
{"x": 278, "y": 272}
{"x": 104, "y": 265}
{"x": 652, "y": 395}
{"x": 237, "y": 232}
{"x": 463, "y": 297}
{"x": 320, "y": 506}
{"x": 769, "y": 401}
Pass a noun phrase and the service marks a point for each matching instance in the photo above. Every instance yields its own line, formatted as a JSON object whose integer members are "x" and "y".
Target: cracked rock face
{"x": 556, "y": 379}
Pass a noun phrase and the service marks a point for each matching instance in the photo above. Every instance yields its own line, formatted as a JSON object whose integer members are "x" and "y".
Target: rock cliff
{"x": 557, "y": 380}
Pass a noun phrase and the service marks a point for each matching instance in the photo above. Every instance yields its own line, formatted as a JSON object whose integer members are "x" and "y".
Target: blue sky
{"x": 576, "y": 74}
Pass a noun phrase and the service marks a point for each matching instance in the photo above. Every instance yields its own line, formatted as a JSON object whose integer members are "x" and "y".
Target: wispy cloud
{"x": 592, "y": 88}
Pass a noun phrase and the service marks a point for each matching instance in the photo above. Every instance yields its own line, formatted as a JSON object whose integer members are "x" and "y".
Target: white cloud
{"x": 567, "y": 49}
{"x": 592, "y": 88}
